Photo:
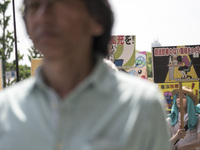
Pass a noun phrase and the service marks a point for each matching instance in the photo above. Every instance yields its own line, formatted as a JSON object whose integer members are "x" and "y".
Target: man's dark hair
{"x": 101, "y": 11}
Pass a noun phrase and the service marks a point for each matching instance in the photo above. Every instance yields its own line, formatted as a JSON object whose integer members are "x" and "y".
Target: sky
{"x": 171, "y": 22}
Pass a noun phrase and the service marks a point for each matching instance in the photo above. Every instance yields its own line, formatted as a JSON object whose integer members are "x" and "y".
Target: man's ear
{"x": 97, "y": 29}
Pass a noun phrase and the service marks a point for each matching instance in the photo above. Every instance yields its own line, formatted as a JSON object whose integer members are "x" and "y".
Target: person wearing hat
{"x": 187, "y": 138}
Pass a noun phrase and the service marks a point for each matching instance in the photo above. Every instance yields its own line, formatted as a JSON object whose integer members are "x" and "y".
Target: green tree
{"x": 6, "y": 48}
{"x": 24, "y": 70}
{"x": 149, "y": 65}
{"x": 7, "y": 38}
{"x": 34, "y": 53}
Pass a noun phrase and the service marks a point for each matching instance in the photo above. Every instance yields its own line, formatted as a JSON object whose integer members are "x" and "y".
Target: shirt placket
{"x": 64, "y": 127}
{"x": 56, "y": 118}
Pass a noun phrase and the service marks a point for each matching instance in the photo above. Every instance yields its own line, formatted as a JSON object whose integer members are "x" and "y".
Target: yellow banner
{"x": 167, "y": 88}
{"x": 176, "y": 63}
{"x": 35, "y": 63}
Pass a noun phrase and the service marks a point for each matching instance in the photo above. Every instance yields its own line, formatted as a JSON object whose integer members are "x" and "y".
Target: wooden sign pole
{"x": 181, "y": 104}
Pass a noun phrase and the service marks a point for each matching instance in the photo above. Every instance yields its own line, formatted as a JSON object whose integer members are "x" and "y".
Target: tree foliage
{"x": 149, "y": 65}
{"x": 34, "y": 53}
{"x": 24, "y": 70}
{"x": 6, "y": 48}
{"x": 7, "y": 39}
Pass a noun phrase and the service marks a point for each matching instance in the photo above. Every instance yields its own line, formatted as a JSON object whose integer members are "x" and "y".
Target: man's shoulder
{"x": 136, "y": 83}
{"x": 168, "y": 119}
{"x": 137, "y": 88}
{"x": 126, "y": 78}
{"x": 18, "y": 90}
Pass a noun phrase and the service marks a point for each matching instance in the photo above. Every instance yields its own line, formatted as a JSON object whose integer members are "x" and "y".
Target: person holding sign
{"x": 188, "y": 137}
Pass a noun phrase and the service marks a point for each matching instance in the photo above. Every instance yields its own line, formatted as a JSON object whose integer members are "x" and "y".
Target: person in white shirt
{"x": 76, "y": 102}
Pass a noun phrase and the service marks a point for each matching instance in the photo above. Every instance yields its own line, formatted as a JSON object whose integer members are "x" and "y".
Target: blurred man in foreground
{"x": 76, "y": 102}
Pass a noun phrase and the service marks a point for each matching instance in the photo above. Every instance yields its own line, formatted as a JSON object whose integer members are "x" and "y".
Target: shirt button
{"x": 54, "y": 106}
{"x": 59, "y": 145}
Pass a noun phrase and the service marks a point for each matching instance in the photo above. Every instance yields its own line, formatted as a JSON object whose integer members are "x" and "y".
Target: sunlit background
{"x": 170, "y": 22}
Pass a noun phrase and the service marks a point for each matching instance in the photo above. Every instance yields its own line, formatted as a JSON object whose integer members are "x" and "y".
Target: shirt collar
{"x": 103, "y": 77}
{"x": 99, "y": 79}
